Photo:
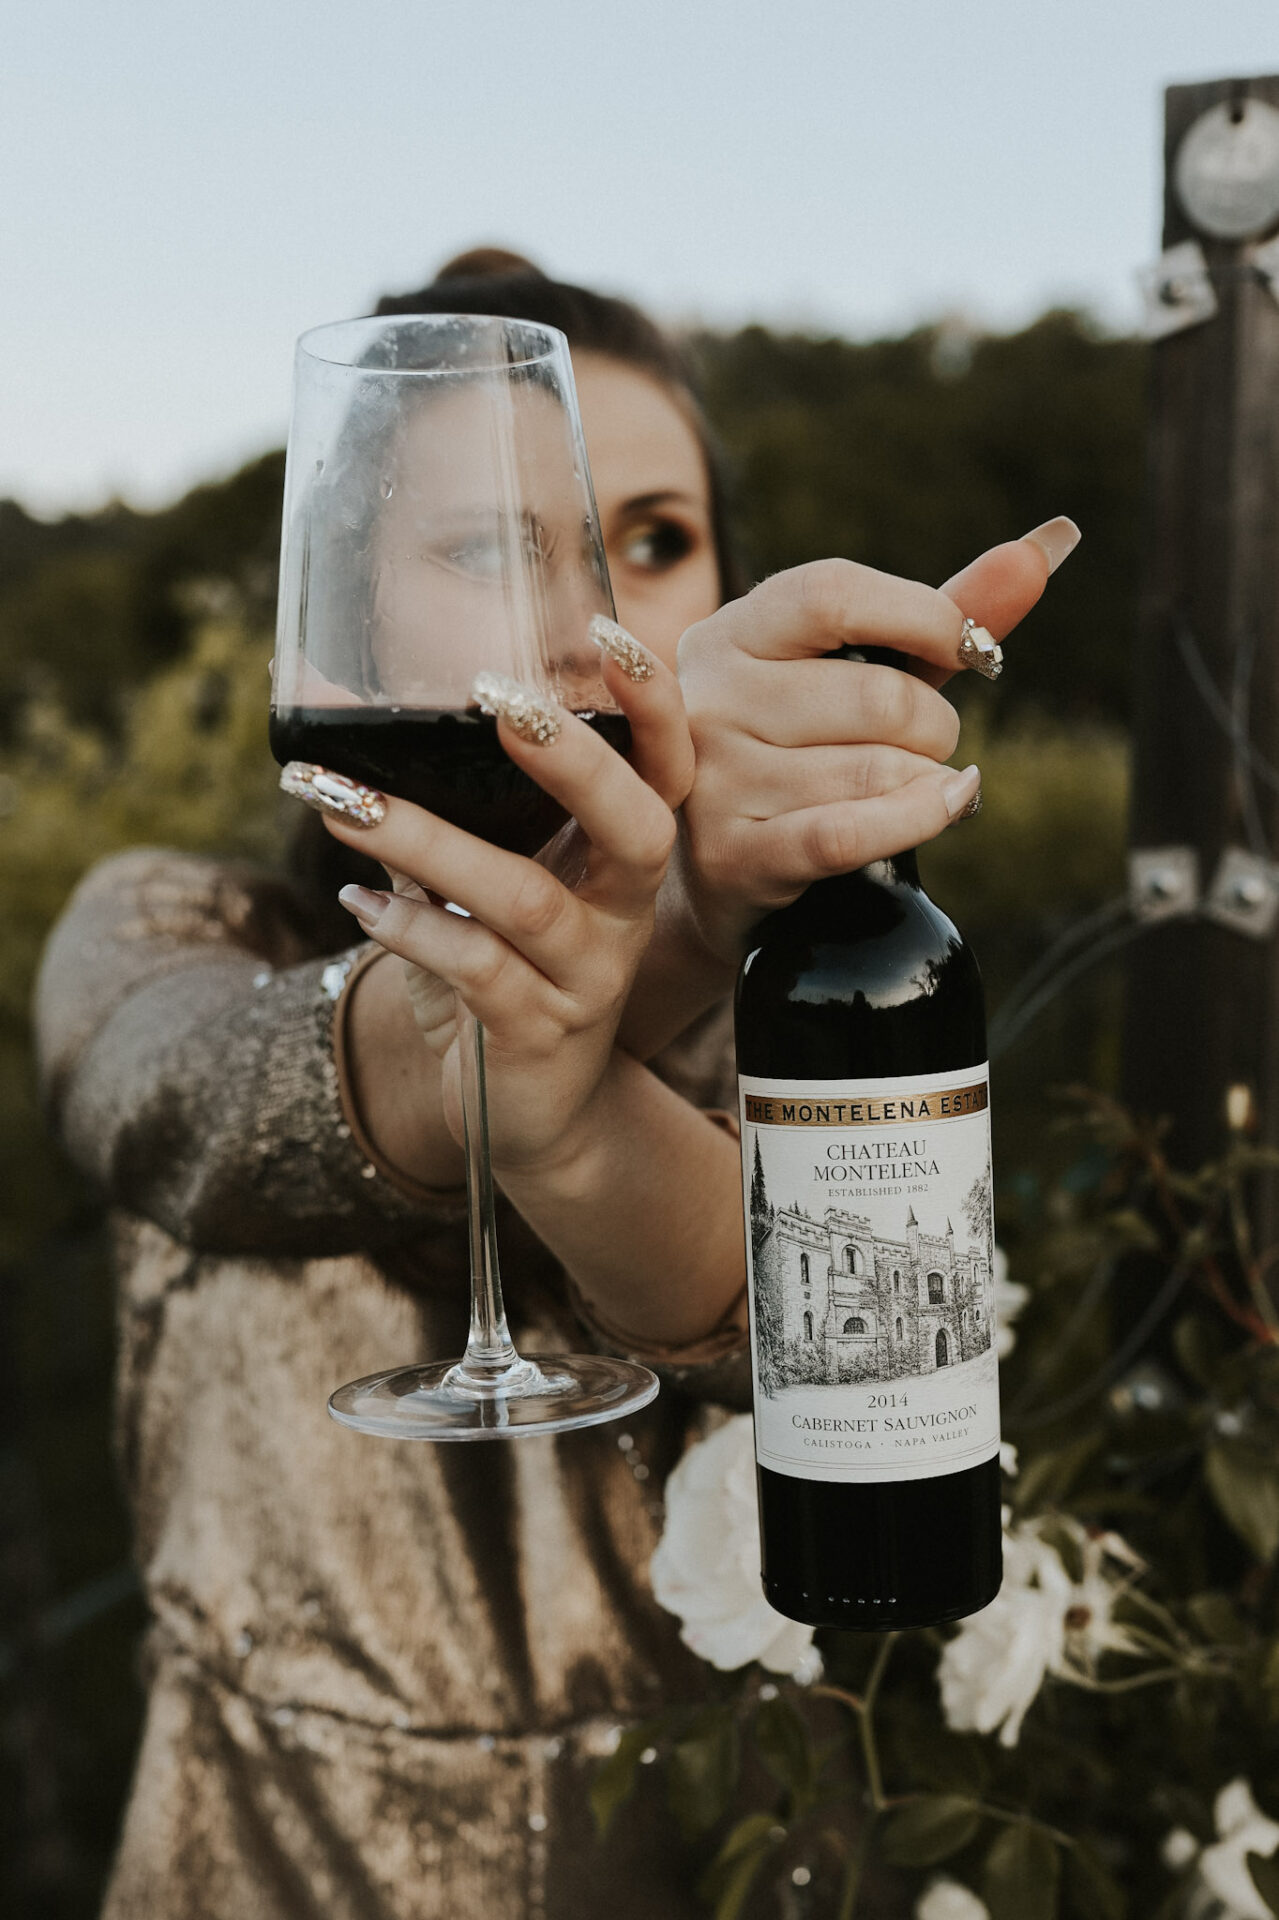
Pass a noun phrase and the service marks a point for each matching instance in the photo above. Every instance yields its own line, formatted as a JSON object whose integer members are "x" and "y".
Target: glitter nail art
{"x": 334, "y": 794}
{"x": 635, "y": 661}
{"x": 525, "y": 711}
{"x": 980, "y": 651}
{"x": 973, "y": 808}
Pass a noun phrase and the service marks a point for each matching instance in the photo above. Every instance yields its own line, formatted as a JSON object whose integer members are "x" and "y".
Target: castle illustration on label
{"x": 834, "y": 1302}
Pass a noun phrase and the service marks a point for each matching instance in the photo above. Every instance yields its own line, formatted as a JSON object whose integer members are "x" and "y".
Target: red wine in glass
{"x": 452, "y": 763}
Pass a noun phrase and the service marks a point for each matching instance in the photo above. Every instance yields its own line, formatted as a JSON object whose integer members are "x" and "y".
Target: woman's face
{"x": 459, "y": 582}
{"x": 653, "y": 495}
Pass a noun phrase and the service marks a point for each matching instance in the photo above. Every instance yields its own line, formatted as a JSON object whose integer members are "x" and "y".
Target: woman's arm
{"x": 186, "y": 1056}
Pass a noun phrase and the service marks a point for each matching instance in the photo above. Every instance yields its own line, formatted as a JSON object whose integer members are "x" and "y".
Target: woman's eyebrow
{"x": 663, "y": 496}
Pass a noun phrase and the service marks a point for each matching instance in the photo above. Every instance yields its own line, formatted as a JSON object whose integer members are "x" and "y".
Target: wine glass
{"x": 439, "y": 520}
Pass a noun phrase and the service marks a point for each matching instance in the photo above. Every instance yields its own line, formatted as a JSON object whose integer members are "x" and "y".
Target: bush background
{"x": 133, "y": 651}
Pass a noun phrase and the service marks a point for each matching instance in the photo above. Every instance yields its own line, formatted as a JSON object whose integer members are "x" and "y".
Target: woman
{"x": 380, "y": 1676}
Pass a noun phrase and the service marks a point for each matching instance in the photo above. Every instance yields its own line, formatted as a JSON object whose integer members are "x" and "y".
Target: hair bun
{"x": 487, "y": 263}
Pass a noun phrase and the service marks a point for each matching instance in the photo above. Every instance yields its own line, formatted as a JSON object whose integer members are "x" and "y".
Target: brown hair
{"x": 493, "y": 280}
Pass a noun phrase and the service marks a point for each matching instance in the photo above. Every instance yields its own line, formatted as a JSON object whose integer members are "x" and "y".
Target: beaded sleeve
{"x": 185, "y": 1041}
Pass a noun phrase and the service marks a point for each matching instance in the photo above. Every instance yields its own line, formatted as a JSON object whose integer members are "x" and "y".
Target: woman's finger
{"x": 837, "y": 703}
{"x": 791, "y": 851}
{"x": 814, "y": 609}
{"x": 768, "y": 780}
{"x": 999, "y": 588}
{"x": 630, "y": 828}
{"x": 498, "y": 984}
{"x": 649, "y": 695}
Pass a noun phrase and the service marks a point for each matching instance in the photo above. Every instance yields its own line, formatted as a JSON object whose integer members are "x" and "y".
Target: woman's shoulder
{"x": 146, "y": 914}
{"x": 165, "y": 894}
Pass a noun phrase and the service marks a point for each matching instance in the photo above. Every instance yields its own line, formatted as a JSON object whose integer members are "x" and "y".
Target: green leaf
{"x": 1270, "y": 1680}
{"x": 1200, "y": 1347}
{"x": 1265, "y": 1878}
{"x": 738, "y": 1883}
{"x": 1247, "y": 1491}
{"x": 929, "y": 1829}
{"x": 1095, "y": 1892}
{"x": 729, "y": 1877}
{"x": 703, "y": 1771}
{"x": 1045, "y": 1480}
{"x": 1217, "y": 1618}
{"x": 785, "y": 1746}
{"x": 1022, "y": 1874}
{"x": 1133, "y": 1229}
{"x": 614, "y": 1780}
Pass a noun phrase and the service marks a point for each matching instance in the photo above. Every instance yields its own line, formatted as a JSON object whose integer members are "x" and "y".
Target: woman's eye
{"x": 657, "y": 544}
{"x": 480, "y": 556}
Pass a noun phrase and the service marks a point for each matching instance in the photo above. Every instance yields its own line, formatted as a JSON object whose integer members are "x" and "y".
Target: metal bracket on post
{"x": 1163, "y": 882}
{"x": 1265, "y": 261}
{"x": 1244, "y": 894}
{"x": 1177, "y": 292}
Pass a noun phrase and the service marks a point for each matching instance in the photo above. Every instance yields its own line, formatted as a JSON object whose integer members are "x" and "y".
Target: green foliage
{"x": 1093, "y": 1891}
{"x": 729, "y": 1878}
{"x": 929, "y": 1830}
{"x": 1022, "y": 1875}
{"x": 614, "y": 1781}
{"x": 916, "y": 454}
{"x": 786, "y": 1747}
{"x": 188, "y": 769}
{"x": 1245, "y": 1485}
{"x": 703, "y": 1768}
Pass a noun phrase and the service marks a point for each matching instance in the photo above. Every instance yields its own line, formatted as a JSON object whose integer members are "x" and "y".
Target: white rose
{"x": 706, "y": 1567}
{"x": 947, "y": 1900}
{"x": 1040, "y": 1622}
{"x": 1223, "y": 1868}
{"x": 993, "y": 1668}
{"x": 1010, "y": 1298}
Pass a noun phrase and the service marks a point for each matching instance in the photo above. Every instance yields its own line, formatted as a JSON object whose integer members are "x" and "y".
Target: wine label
{"x": 870, "y": 1238}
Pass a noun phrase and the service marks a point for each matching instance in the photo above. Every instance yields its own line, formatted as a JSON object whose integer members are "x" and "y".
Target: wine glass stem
{"x": 490, "y": 1353}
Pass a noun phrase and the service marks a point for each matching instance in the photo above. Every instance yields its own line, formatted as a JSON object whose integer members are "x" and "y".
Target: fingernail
{"x": 366, "y": 903}
{"x": 1056, "y": 540}
{"x": 526, "y": 712}
{"x": 334, "y": 794}
{"x": 980, "y": 650}
{"x": 635, "y": 661}
{"x": 962, "y": 793}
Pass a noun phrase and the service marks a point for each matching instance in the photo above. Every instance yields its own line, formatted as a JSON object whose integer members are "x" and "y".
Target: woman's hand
{"x": 545, "y": 965}
{"x": 809, "y": 766}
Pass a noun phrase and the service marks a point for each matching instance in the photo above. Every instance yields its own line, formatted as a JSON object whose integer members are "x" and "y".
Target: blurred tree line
{"x": 133, "y": 649}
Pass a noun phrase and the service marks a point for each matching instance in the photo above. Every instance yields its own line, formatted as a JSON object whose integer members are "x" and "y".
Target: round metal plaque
{"x": 1227, "y": 171}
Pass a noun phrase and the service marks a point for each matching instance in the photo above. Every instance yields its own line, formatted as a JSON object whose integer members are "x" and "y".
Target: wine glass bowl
{"x": 439, "y": 522}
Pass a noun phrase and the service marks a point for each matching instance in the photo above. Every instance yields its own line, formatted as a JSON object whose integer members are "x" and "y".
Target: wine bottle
{"x": 862, "y": 1071}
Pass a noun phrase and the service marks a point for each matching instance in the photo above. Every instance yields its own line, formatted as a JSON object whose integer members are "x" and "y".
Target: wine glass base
{"x": 543, "y": 1393}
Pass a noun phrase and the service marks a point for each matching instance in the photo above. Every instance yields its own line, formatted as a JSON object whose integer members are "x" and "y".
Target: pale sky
{"x": 188, "y": 186}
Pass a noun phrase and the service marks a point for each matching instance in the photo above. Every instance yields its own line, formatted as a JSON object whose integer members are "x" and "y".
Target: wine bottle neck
{"x": 900, "y": 869}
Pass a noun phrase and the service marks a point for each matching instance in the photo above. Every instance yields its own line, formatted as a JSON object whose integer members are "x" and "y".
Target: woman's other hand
{"x": 544, "y": 962}
{"x": 809, "y": 766}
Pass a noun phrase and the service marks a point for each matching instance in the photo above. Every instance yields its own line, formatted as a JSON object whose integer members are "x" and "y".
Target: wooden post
{"x": 1202, "y": 998}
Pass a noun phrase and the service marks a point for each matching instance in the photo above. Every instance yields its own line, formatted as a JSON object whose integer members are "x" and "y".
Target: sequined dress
{"x": 380, "y": 1675}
